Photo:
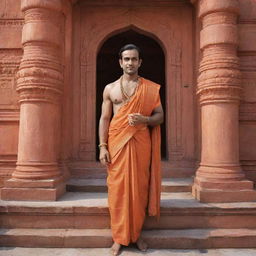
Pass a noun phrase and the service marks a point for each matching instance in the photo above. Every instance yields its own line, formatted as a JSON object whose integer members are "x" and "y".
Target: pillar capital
{"x": 55, "y": 5}
{"x": 212, "y": 6}
{"x": 40, "y": 74}
{"x": 219, "y": 74}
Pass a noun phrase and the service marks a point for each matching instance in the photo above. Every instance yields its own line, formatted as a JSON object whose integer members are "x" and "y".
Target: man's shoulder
{"x": 151, "y": 83}
{"x": 112, "y": 85}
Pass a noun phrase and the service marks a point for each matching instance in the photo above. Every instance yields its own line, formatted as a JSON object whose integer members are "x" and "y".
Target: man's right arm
{"x": 106, "y": 113}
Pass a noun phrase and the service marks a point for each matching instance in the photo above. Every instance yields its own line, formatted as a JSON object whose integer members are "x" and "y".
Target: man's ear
{"x": 121, "y": 63}
{"x": 140, "y": 61}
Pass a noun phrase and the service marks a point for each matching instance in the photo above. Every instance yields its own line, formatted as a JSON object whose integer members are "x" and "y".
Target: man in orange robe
{"x": 130, "y": 147}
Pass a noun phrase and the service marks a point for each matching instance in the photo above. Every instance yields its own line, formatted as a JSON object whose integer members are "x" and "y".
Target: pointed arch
{"x": 108, "y": 69}
{"x": 136, "y": 29}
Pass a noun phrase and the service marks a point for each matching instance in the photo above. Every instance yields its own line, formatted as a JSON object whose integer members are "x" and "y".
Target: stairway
{"x": 80, "y": 219}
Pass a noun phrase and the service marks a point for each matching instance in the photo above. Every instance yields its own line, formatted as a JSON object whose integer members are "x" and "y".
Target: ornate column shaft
{"x": 39, "y": 83}
{"x": 219, "y": 177}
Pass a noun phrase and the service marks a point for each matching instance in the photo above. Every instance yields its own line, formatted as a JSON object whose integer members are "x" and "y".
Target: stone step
{"x": 95, "y": 238}
{"x": 89, "y": 173}
{"x": 90, "y": 210}
{"x": 99, "y": 185}
{"x": 94, "y": 170}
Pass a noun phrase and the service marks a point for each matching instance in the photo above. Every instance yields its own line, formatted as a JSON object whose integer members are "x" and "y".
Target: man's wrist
{"x": 147, "y": 119}
{"x": 102, "y": 145}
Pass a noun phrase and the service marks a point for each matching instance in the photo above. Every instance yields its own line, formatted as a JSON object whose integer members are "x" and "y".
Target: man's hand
{"x": 104, "y": 156}
{"x": 137, "y": 118}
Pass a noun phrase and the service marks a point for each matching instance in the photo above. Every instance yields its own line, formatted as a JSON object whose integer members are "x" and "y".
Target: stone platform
{"x": 81, "y": 219}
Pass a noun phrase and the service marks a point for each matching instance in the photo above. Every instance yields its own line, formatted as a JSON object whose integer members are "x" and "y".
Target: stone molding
{"x": 55, "y": 5}
{"x": 219, "y": 18}
{"x": 219, "y": 94}
{"x": 207, "y": 7}
{"x": 130, "y": 4}
{"x": 11, "y": 22}
{"x": 36, "y": 171}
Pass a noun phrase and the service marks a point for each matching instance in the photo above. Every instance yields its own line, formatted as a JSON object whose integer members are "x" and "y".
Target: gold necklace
{"x": 125, "y": 95}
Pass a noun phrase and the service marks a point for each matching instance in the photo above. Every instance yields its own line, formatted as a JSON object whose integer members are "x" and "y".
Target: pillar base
{"x": 224, "y": 192}
{"x": 33, "y": 190}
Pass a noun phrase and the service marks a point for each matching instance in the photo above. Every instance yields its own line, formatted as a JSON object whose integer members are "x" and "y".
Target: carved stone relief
{"x": 9, "y": 64}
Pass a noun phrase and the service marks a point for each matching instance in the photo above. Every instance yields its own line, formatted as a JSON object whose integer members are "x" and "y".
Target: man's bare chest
{"x": 120, "y": 94}
{"x": 116, "y": 96}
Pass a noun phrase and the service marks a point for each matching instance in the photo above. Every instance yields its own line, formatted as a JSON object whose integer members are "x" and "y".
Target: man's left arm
{"x": 156, "y": 118}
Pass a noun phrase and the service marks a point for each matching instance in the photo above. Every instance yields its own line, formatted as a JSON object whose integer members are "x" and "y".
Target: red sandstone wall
{"x": 247, "y": 54}
{"x": 11, "y": 22}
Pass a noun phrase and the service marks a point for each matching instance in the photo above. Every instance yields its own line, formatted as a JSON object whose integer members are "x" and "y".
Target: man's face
{"x": 130, "y": 62}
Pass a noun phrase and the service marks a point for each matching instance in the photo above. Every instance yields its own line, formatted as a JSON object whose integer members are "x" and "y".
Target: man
{"x": 130, "y": 147}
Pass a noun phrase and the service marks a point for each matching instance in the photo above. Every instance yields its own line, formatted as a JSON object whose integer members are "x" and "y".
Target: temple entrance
{"x": 167, "y": 49}
{"x": 108, "y": 69}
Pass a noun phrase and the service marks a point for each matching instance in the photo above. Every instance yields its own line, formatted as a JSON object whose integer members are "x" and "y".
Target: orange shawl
{"x": 144, "y": 101}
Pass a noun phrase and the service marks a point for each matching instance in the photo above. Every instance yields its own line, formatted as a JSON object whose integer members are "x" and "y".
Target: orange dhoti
{"x": 134, "y": 177}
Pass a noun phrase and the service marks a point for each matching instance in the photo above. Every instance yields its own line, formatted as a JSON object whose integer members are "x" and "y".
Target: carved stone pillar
{"x": 39, "y": 83}
{"x": 219, "y": 177}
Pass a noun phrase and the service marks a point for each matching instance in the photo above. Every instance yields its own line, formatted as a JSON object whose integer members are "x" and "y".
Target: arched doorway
{"x": 168, "y": 60}
{"x": 108, "y": 69}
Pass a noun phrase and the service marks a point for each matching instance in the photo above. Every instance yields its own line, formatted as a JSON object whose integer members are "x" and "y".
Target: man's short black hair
{"x": 129, "y": 47}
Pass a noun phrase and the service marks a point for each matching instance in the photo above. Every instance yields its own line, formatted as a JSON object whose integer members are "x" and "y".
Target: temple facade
{"x": 57, "y": 56}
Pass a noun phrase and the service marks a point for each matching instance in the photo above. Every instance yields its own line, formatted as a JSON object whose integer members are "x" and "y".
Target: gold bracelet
{"x": 102, "y": 145}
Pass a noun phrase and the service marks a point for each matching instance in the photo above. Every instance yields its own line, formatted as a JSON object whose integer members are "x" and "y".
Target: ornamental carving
{"x": 9, "y": 64}
{"x": 42, "y": 15}
{"x": 42, "y": 73}
{"x": 219, "y": 18}
{"x": 217, "y": 94}
{"x": 219, "y": 76}
{"x": 11, "y": 23}
{"x": 39, "y": 94}
{"x": 10, "y": 69}
{"x": 29, "y": 82}
{"x": 9, "y": 61}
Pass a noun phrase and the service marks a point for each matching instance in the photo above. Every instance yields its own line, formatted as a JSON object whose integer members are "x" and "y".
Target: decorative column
{"x": 219, "y": 177}
{"x": 39, "y": 83}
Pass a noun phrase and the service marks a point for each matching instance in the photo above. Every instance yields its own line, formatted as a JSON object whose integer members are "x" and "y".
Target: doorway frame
{"x": 178, "y": 89}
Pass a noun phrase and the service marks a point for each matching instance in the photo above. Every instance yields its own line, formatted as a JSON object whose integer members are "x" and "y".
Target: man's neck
{"x": 129, "y": 78}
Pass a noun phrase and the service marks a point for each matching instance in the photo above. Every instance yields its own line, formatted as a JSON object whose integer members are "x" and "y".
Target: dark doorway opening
{"x": 152, "y": 68}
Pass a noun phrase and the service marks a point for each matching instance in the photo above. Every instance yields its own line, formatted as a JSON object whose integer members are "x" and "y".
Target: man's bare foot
{"x": 142, "y": 245}
{"x": 115, "y": 249}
